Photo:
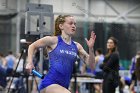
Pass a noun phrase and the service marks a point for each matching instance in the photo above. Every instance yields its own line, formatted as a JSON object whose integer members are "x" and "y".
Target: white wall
{"x": 102, "y": 10}
{"x": 2, "y": 4}
{"x": 98, "y": 10}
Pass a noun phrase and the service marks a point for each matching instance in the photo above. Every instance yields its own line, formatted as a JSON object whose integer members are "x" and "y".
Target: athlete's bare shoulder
{"x": 79, "y": 46}
{"x": 50, "y": 40}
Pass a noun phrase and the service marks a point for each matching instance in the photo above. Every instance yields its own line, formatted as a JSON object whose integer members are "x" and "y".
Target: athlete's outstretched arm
{"x": 89, "y": 58}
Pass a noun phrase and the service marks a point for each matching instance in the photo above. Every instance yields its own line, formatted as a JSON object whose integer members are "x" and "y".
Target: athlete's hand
{"x": 91, "y": 41}
{"x": 29, "y": 67}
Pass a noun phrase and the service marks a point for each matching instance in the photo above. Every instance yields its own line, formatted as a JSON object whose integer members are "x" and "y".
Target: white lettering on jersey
{"x": 68, "y": 52}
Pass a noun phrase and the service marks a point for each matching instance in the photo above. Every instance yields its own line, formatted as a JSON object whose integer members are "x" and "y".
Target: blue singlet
{"x": 61, "y": 60}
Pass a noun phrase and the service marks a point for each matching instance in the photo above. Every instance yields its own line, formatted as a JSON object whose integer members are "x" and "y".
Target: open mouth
{"x": 73, "y": 29}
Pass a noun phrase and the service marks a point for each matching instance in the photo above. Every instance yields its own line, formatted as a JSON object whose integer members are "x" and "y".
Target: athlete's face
{"x": 69, "y": 26}
{"x": 110, "y": 44}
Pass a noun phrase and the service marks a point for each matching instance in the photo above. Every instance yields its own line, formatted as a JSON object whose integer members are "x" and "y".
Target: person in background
{"x": 62, "y": 52}
{"x": 135, "y": 84}
{"x": 3, "y": 71}
{"x": 133, "y": 63}
{"x": 98, "y": 71}
{"x": 98, "y": 61}
{"x": 11, "y": 62}
{"x": 110, "y": 67}
{"x": 2, "y": 61}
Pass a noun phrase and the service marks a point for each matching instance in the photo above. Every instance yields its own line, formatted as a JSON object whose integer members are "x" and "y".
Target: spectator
{"x": 11, "y": 62}
{"x": 133, "y": 62}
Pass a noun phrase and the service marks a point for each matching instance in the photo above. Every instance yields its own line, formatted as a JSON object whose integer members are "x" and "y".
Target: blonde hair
{"x": 59, "y": 20}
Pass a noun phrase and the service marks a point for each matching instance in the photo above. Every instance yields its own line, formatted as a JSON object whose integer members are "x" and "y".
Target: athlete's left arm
{"x": 89, "y": 58}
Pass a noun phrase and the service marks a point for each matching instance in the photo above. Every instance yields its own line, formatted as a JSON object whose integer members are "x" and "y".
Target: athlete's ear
{"x": 61, "y": 26}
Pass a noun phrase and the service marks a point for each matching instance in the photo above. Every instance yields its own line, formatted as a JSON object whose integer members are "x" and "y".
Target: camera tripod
{"x": 20, "y": 88}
